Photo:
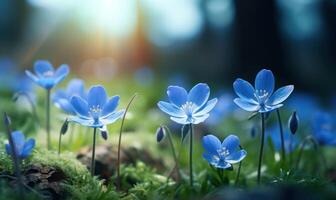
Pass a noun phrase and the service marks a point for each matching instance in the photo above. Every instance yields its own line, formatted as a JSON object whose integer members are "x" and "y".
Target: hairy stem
{"x": 93, "y": 162}
{"x": 261, "y": 146}
{"x": 119, "y": 142}
{"x": 283, "y": 150}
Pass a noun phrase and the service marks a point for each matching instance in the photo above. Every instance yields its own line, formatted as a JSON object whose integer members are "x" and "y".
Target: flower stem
{"x": 239, "y": 168}
{"x": 302, "y": 147}
{"x": 283, "y": 150}
{"x": 15, "y": 158}
{"x": 48, "y": 119}
{"x": 261, "y": 145}
{"x": 93, "y": 163}
{"x": 59, "y": 143}
{"x": 190, "y": 156}
{"x": 176, "y": 167}
{"x": 119, "y": 142}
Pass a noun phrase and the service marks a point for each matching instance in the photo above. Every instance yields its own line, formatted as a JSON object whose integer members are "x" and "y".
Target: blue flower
{"x": 260, "y": 98}
{"x": 290, "y": 141}
{"x": 324, "y": 128}
{"x": 62, "y": 98}
{"x": 97, "y": 111}
{"x": 222, "y": 155}
{"x": 23, "y": 148}
{"x": 45, "y": 75}
{"x": 188, "y": 108}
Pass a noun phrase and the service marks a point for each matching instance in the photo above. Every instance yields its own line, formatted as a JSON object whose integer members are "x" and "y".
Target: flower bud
{"x": 104, "y": 133}
{"x": 160, "y": 134}
{"x": 65, "y": 127}
{"x": 293, "y": 123}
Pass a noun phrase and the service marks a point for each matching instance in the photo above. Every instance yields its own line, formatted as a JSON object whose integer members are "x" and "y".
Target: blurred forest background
{"x": 212, "y": 41}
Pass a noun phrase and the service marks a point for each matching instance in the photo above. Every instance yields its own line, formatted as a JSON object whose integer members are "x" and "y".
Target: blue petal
{"x": 170, "y": 109}
{"x": 61, "y": 73}
{"x": 65, "y": 105}
{"x": 97, "y": 97}
{"x": 236, "y": 157}
{"x": 200, "y": 119}
{"x": 47, "y": 83}
{"x": 206, "y": 108}
{"x": 80, "y": 106}
{"x": 85, "y": 122}
{"x": 211, "y": 144}
{"x": 246, "y": 105}
{"x": 265, "y": 81}
{"x": 177, "y": 95}
{"x": 245, "y": 91}
{"x": 59, "y": 94}
{"x": 223, "y": 165}
{"x": 199, "y": 94}
{"x": 269, "y": 108}
{"x": 210, "y": 158}
{"x": 76, "y": 87}
{"x": 280, "y": 95}
{"x": 27, "y": 149}
{"x": 112, "y": 117}
{"x": 231, "y": 143}
{"x": 8, "y": 149}
{"x": 42, "y": 66}
{"x": 180, "y": 120}
{"x": 110, "y": 106}
{"x": 19, "y": 140}
{"x": 32, "y": 76}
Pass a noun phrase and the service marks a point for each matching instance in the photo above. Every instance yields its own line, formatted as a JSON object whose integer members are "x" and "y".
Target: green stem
{"x": 48, "y": 119}
{"x": 261, "y": 146}
{"x": 239, "y": 168}
{"x": 173, "y": 151}
{"x": 316, "y": 148}
{"x": 283, "y": 150}
{"x": 72, "y": 130}
{"x": 190, "y": 156}
{"x": 93, "y": 163}
{"x": 119, "y": 142}
{"x": 59, "y": 143}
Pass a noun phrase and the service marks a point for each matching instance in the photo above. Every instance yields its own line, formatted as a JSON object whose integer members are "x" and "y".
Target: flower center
{"x": 48, "y": 73}
{"x": 95, "y": 111}
{"x": 188, "y": 108}
{"x": 223, "y": 153}
{"x": 262, "y": 95}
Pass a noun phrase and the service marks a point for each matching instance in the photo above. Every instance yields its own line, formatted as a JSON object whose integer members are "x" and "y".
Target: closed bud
{"x": 104, "y": 133}
{"x": 293, "y": 123}
{"x": 160, "y": 134}
{"x": 65, "y": 127}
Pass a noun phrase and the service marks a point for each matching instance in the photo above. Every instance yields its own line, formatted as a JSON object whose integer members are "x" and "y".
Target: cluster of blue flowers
{"x": 94, "y": 109}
